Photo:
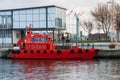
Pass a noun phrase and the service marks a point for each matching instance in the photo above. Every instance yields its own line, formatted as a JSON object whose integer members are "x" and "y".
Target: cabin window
{"x": 38, "y": 39}
{"x": 43, "y": 39}
{"x": 35, "y": 39}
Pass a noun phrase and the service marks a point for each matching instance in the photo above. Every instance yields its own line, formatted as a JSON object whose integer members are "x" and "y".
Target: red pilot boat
{"x": 40, "y": 46}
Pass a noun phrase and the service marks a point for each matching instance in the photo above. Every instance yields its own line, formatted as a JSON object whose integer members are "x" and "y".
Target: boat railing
{"x": 87, "y": 45}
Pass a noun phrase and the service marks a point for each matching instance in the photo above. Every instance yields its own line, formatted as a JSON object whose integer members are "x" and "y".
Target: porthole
{"x": 25, "y": 51}
{"x": 31, "y": 51}
{"x": 51, "y": 52}
{"x": 38, "y": 51}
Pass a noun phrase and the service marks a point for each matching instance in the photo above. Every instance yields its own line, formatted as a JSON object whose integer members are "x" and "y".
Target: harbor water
{"x": 100, "y": 69}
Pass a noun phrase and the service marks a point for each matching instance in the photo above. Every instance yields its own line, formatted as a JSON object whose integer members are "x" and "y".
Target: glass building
{"x": 13, "y": 22}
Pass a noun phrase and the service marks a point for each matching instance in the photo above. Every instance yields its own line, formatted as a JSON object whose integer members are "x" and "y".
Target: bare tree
{"x": 87, "y": 26}
{"x": 102, "y": 17}
{"x": 117, "y": 15}
{"x": 116, "y": 19}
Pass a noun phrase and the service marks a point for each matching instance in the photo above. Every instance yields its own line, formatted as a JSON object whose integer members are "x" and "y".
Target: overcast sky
{"x": 80, "y": 5}
{"x": 76, "y": 5}
{"x": 5, "y": 4}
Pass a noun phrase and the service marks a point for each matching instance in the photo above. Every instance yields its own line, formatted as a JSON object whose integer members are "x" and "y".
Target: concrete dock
{"x": 108, "y": 53}
{"x": 4, "y": 52}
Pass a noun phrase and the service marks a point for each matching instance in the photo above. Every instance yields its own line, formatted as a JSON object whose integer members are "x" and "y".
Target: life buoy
{"x": 31, "y": 51}
{"x": 58, "y": 51}
{"x": 18, "y": 52}
{"x": 51, "y": 51}
{"x": 38, "y": 51}
{"x": 44, "y": 51}
{"x": 25, "y": 51}
{"x": 13, "y": 52}
{"x": 87, "y": 50}
{"x": 80, "y": 51}
{"x": 72, "y": 51}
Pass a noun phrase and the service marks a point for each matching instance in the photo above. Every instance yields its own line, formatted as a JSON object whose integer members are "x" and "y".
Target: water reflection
{"x": 59, "y": 70}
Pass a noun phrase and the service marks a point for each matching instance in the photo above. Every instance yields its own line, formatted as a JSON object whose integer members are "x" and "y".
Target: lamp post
{"x": 2, "y": 35}
{"x": 112, "y": 14}
{"x": 77, "y": 23}
{"x": 77, "y": 16}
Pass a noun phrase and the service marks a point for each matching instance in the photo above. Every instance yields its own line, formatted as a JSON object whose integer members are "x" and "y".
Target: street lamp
{"x": 2, "y": 31}
{"x": 112, "y": 14}
{"x": 77, "y": 16}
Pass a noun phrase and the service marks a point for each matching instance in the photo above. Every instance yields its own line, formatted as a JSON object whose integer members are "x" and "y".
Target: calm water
{"x": 59, "y": 69}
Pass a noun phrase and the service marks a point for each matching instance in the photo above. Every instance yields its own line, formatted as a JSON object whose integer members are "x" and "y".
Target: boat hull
{"x": 54, "y": 54}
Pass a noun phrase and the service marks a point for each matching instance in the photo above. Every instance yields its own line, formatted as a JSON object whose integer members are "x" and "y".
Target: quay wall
{"x": 4, "y": 52}
{"x": 108, "y": 53}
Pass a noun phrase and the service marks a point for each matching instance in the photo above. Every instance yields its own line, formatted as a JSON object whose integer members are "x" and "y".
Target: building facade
{"x": 118, "y": 34}
{"x": 13, "y": 22}
{"x": 98, "y": 36}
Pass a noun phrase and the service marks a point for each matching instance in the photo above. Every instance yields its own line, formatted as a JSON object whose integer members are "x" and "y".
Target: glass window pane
{"x": 22, "y": 24}
{"x": 8, "y": 40}
{"x": 8, "y": 13}
{"x": 15, "y": 17}
{"x": 22, "y": 17}
{"x": 58, "y": 22}
{"x": 42, "y": 16}
{"x": 51, "y": 10}
{"x": 29, "y": 11}
{"x": 58, "y": 13}
{"x": 9, "y": 22}
{"x": 29, "y": 17}
{"x": 42, "y": 24}
{"x": 22, "y": 12}
{"x": 9, "y": 19}
{"x": 36, "y": 11}
{"x": 2, "y": 13}
{"x": 63, "y": 18}
{"x": 15, "y": 24}
{"x": 51, "y": 24}
{"x": 36, "y": 17}
{"x": 35, "y": 24}
{"x": 0, "y": 21}
{"x": 15, "y": 12}
{"x": 42, "y": 10}
{"x": 51, "y": 16}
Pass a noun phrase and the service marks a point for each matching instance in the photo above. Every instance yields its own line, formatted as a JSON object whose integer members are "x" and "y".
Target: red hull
{"x": 39, "y": 46}
{"x": 63, "y": 54}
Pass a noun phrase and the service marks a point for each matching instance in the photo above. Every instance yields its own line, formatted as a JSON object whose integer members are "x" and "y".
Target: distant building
{"x": 13, "y": 22}
{"x": 118, "y": 34}
{"x": 98, "y": 36}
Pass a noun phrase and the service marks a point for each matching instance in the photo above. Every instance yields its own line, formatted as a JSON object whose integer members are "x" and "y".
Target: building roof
{"x": 32, "y": 8}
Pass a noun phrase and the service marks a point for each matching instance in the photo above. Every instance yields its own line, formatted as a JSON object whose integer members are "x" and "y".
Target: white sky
{"x": 70, "y": 4}
{"x": 77, "y": 5}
